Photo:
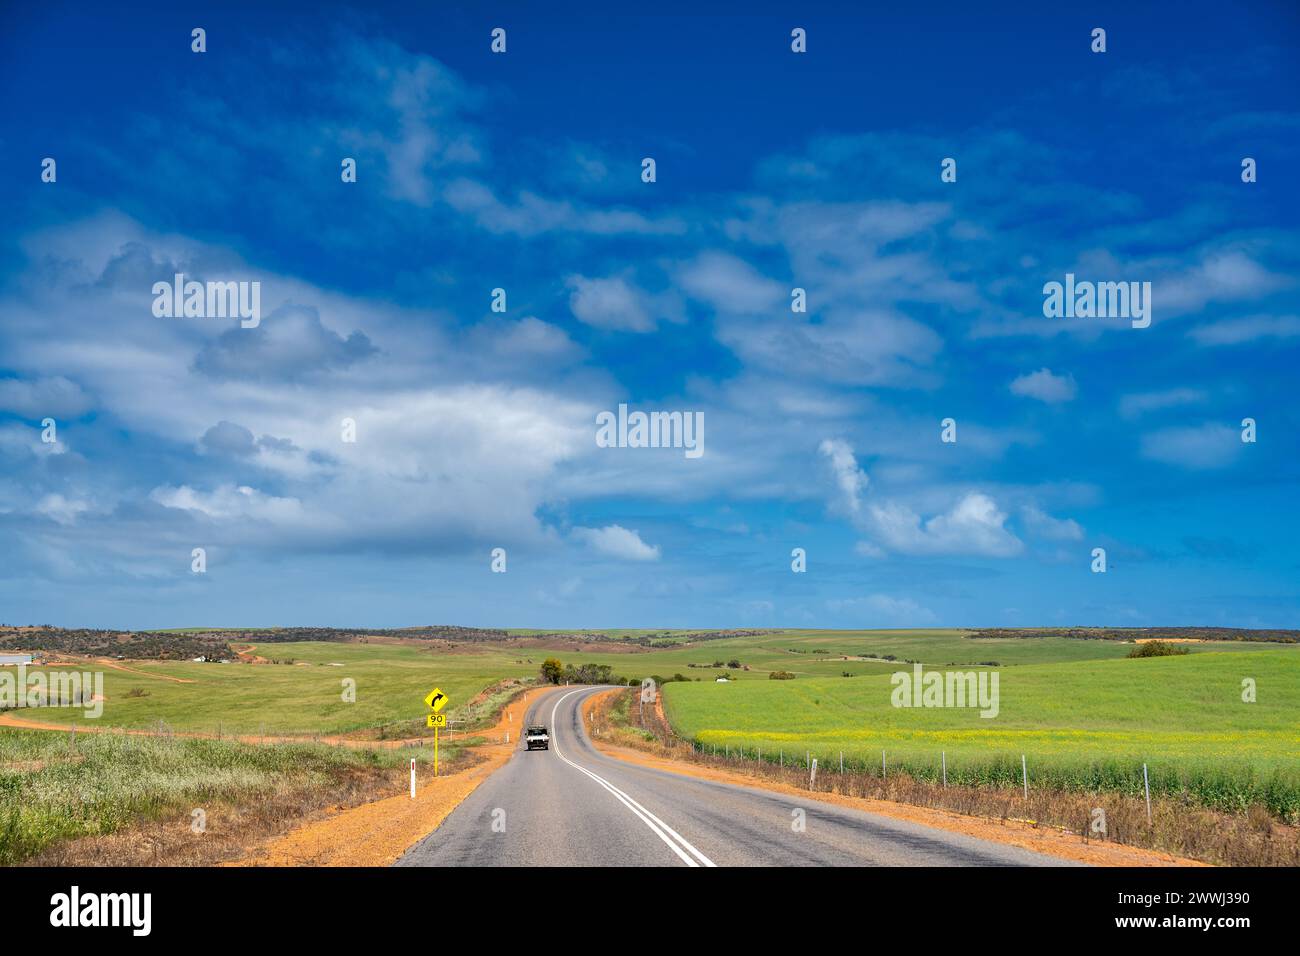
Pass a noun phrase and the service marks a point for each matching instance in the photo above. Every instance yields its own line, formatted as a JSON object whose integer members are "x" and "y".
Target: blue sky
{"x": 476, "y": 430}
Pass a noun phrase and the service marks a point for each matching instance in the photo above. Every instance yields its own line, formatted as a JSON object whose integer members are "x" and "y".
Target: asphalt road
{"x": 573, "y": 806}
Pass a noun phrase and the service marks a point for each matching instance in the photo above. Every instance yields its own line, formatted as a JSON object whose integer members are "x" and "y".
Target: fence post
{"x": 882, "y": 765}
{"x": 812, "y": 774}
{"x": 944, "y": 757}
{"x": 1146, "y": 785}
{"x": 841, "y": 761}
{"x": 1024, "y": 773}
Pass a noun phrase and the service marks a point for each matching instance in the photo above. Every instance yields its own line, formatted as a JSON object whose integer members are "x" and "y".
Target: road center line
{"x": 657, "y": 826}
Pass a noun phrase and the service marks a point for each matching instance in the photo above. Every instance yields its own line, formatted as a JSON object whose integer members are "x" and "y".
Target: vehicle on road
{"x": 537, "y": 738}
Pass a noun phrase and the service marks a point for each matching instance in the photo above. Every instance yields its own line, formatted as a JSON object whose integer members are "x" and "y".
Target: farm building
{"x": 13, "y": 660}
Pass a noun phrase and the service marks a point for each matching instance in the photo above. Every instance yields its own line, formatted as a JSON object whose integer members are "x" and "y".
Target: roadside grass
{"x": 1179, "y": 824}
{"x": 1083, "y": 727}
{"x": 53, "y": 791}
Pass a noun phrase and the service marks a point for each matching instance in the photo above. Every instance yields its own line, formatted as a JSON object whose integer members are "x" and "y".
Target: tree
{"x": 1157, "y": 649}
{"x": 552, "y": 670}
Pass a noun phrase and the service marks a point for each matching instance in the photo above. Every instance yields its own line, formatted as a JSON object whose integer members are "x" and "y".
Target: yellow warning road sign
{"x": 436, "y": 699}
{"x": 436, "y": 720}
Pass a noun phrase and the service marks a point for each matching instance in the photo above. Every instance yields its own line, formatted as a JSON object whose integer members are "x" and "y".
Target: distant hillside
{"x": 653, "y": 639}
{"x": 188, "y": 643}
{"x": 432, "y": 632}
{"x": 1141, "y": 633}
{"x": 151, "y": 645}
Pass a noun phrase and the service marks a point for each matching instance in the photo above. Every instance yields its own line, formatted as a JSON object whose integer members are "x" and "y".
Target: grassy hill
{"x": 305, "y": 696}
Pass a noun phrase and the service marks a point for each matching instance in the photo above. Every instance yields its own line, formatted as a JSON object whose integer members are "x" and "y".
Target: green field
{"x": 813, "y": 653}
{"x": 305, "y": 697}
{"x": 1080, "y": 723}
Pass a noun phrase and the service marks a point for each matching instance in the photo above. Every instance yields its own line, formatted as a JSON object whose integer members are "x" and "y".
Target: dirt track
{"x": 118, "y": 666}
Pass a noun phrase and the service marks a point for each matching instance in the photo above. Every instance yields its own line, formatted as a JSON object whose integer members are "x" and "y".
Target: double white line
{"x": 676, "y": 842}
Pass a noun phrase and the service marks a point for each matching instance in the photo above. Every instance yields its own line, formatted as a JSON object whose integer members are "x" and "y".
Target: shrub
{"x": 552, "y": 670}
{"x": 1157, "y": 649}
{"x": 780, "y": 675}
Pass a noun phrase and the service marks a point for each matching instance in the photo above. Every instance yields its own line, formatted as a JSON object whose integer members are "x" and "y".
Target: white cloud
{"x": 55, "y": 396}
{"x": 1042, "y": 525}
{"x": 1045, "y": 386}
{"x": 610, "y": 303}
{"x": 454, "y": 447}
{"x": 291, "y": 343}
{"x": 1221, "y": 276}
{"x": 227, "y": 502}
{"x": 868, "y": 347}
{"x": 1139, "y": 403}
{"x": 1201, "y": 446}
{"x": 1237, "y": 331}
{"x": 851, "y": 335}
{"x": 527, "y": 340}
{"x": 849, "y": 478}
{"x": 531, "y": 214}
{"x": 616, "y": 541}
{"x": 61, "y": 509}
{"x": 421, "y": 103}
{"x": 974, "y": 525}
{"x": 730, "y": 285}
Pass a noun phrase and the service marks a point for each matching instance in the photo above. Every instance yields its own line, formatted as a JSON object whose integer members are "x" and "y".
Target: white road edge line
{"x": 660, "y": 829}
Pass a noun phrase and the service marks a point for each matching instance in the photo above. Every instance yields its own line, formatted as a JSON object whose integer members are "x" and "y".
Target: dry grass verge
{"x": 233, "y": 830}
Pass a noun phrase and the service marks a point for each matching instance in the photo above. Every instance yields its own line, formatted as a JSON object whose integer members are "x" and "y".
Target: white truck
{"x": 537, "y": 738}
